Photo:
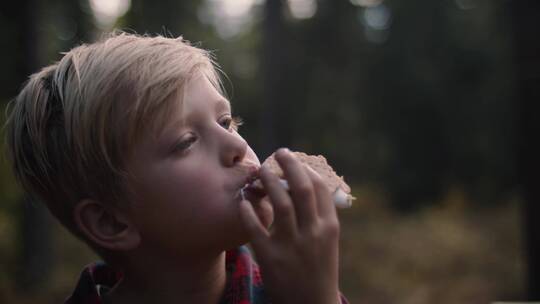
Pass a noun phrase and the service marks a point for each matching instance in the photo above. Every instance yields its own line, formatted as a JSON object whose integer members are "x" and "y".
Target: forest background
{"x": 428, "y": 108}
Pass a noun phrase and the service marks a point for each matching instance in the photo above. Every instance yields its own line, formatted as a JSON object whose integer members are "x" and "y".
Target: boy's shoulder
{"x": 244, "y": 283}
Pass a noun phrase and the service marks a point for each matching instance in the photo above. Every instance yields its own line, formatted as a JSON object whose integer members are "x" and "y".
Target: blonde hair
{"x": 74, "y": 122}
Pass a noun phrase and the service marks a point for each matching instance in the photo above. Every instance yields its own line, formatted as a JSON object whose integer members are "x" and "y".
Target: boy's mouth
{"x": 251, "y": 173}
{"x": 251, "y": 193}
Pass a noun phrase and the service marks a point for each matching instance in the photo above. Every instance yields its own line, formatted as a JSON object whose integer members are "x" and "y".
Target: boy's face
{"x": 188, "y": 177}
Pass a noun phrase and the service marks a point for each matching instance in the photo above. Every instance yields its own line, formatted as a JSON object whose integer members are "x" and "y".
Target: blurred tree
{"x": 415, "y": 96}
{"x": 526, "y": 22}
{"x": 274, "y": 116}
{"x": 442, "y": 100}
{"x": 72, "y": 21}
{"x": 30, "y": 23}
{"x": 323, "y": 78}
{"x": 166, "y": 17}
{"x": 35, "y": 249}
{"x": 18, "y": 28}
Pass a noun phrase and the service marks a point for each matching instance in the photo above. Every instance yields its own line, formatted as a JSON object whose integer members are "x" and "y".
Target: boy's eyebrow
{"x": 223, "y": 104}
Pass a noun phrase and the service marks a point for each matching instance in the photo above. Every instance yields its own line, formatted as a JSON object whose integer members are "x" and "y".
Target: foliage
{"x": 447, "y": 253}
{"x": 417, "y": 112}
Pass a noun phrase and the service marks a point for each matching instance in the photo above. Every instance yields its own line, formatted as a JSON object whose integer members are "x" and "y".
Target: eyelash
{"x": 183, "y": 145}
{"x": 229, "y": 123}
{"x": 233, "y": 123}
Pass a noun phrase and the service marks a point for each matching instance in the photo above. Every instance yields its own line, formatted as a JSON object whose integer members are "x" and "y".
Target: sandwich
{"x": 341, "y": 192}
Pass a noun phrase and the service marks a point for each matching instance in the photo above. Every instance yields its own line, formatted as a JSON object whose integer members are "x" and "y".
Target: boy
{"x": 132, "y": 146}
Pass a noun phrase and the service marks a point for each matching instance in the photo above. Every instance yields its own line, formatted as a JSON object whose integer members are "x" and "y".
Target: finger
{"x": 301, "y": 187}
{"x": 325, "y": 203}
{"x": 284, "y": 215}
{"x": 256, "y": 230}
{"x": 264, "y": 211}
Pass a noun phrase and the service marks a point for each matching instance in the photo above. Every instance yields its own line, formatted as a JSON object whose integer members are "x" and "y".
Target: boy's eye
{"x": 185, "y": 143}
{"x": 231, "y": 123}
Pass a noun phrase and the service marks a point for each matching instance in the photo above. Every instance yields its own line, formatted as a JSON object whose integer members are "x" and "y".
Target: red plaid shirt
{"x": 245, "y": 285}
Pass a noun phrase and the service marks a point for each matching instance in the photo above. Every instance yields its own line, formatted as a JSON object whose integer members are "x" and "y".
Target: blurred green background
{"x": 428, "y": 108}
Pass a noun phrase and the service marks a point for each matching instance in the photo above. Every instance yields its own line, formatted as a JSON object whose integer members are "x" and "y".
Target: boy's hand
{"x": 299, "y": 254}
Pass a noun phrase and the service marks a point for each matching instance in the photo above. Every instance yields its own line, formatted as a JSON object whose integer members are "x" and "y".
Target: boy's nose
{"x": 234, "y": 151}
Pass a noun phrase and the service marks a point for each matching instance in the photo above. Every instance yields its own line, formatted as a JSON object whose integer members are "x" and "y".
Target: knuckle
{"x": 318, "y": 182}
{"x": 332, "y": 228}
{"x": 304, "y": 189}
{"x": 313, "y": 232}
{"x": 284, "y": 209}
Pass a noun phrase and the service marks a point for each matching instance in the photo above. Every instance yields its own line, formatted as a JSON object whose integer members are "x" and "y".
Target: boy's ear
{"x": 105, "y": 226}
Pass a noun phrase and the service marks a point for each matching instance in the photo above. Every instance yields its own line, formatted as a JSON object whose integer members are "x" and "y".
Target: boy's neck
{"x": 182, "y": 280}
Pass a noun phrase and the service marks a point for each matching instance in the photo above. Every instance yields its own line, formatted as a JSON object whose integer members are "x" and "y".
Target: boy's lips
{"x": 250, "y": 173}
{"x": 245, "y": 187}
{"x": 251, "y": 193}
{"x": 253, "y": 174}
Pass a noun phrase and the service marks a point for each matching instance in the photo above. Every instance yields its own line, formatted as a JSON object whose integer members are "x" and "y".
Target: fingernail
{"x": 284, "y": 151}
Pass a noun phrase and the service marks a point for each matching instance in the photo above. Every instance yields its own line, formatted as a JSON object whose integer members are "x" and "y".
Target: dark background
{"x": 428, "y": 108}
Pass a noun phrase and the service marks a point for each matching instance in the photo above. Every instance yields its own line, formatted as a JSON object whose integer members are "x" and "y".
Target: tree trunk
{"x": 35, "y": 252}
{"x": 36, "y": 259}
{"x": 272, "y": 68}
{"x": 526, "y": 21}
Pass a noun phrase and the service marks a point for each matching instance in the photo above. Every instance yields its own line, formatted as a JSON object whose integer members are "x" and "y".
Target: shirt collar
{"x": 244, "y": 283}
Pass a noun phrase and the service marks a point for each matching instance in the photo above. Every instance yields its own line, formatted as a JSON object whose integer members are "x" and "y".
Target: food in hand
{"x": 341, "y": 192}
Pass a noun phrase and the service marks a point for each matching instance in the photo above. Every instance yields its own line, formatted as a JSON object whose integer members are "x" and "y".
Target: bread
{"x": 338, "y": 187}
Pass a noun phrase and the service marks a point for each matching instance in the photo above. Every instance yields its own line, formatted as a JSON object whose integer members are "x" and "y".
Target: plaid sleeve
{"x": 245, "y": 285}
{"x": 342, "y": 299}
{"x": 92, "y": 277}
